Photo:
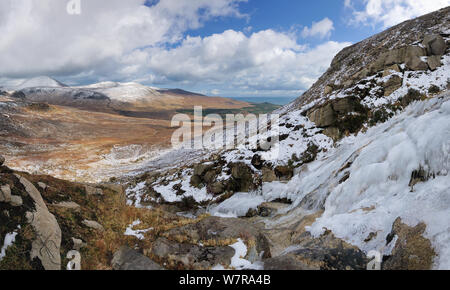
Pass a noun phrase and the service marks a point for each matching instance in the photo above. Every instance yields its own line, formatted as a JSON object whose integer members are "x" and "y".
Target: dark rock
{"x": 310, "y": 154}
{"x": 40, "y": 107}
{"x": 216, "y": 188}
{"x": 18, "y": 95}
{"x": 210, "y": 176}
{"x": 323, "y": 253}
{"x": 202, "y": 168}
{"x": 257, "y": 162}
{"x": 2, "y": 160}
{"x": 128, "y": 259}
{"x": 196, "y": 181}
{"x": 244, "y": 177}
{"x": 411, "y": 96}
{"x": 284, "y": 172}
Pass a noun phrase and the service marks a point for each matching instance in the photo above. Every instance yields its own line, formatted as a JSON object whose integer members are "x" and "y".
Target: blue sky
{"x": 285, "y": 15}
{"x": 240, "y": 48}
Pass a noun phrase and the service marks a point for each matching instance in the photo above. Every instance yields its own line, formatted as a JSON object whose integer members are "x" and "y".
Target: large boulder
{"x": 130, "y": 260}
{"x": 413, "y": 58}
{"x": 323, "y": 116}
{"x": 5, "y": 193}
{"x": 46, "y": 246}
{"x": 391, "y": 69}
{"x": 243, "y": 174}
{"x": 392, "y": 84}
{"x": 395, "y": 56}
{"x": 434, "y": 44}
{"x": 434, "y": 62}
{"x": 411, "y": 251}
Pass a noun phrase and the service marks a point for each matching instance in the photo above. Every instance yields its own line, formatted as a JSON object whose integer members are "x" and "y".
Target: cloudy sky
{"x": 217, "y": 47}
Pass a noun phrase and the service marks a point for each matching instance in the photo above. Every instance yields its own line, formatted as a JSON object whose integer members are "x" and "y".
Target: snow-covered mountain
{"x": 41, "y": 81}
{"x": 116, "y": 96}
{"x": 124, "y": 92}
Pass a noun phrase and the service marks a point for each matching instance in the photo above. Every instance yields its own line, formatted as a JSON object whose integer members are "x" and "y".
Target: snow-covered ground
{"x": 378, "y": 165}
{"x": 10, "y": 238}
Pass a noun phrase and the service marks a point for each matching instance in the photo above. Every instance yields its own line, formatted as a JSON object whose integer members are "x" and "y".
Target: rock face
{"x": 412, "y": 251}
{"x": 130, "y": 260}
{"x": 205, "y": 244}
{"x": 46, "y": 247}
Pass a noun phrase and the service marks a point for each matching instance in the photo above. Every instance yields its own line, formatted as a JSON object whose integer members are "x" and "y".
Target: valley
{"x": 92, "y": 133}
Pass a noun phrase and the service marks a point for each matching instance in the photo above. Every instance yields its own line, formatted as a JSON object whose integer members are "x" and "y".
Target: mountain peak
{"x": 41, "y": 81}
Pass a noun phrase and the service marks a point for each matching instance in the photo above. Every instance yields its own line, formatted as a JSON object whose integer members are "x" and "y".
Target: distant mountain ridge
{"x": 115, "y": 97}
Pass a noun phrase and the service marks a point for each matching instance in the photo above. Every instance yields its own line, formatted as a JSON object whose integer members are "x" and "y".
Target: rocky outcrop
{"x": 205, "y": 244}
{"x": 380, "y": 51}
{"x": 190, "y": 256}
{"x": 339, "y": 115}
{"x": 46, "y": 246}
{"x": 324, "y": 253}
{"x": 130, "y": 260}
{"x": 411, "y": 251}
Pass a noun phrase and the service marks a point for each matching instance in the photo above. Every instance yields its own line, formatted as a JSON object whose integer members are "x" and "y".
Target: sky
{"x": 231, "y": 48}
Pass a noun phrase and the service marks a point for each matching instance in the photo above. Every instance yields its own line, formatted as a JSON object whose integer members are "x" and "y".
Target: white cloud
{"x": 391, "y": 12}
{"x": 126, "y": 40}
{"x": 321, "y": 29}
{"x": 265, "y": 60}
{"x": 41, "y": 37}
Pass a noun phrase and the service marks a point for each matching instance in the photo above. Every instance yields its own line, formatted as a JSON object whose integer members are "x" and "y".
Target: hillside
{"x": 362, "y": 165}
